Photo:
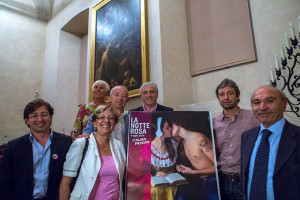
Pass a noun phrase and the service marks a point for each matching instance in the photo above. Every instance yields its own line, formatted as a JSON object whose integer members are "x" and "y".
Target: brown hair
{"x": 35, "y": 104}
{"x": 102, "y": 110}
{"x": 168, "y": 141}
{"x": 230, "y": 83}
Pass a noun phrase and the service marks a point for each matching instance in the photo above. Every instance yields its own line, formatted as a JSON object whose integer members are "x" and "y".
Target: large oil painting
{"x": 119, "y": 49}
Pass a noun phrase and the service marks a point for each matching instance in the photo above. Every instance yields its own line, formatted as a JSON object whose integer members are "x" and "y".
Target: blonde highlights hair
{"x": 102, "y": 109}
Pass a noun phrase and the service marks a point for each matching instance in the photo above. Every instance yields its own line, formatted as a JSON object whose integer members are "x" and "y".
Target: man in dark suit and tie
{"x": 149, "y": 94}
{"x": 32, "y": 165}
{"x": 271, "y": 152}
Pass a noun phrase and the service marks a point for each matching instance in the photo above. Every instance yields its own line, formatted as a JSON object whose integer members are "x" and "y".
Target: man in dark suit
{"x": 149, "y": 94}
{"x": 276, "y": 176}
{"x": 32, "y": 165}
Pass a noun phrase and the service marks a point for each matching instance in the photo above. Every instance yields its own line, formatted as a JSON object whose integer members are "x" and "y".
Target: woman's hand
{"x": 64, "y": 188}
{"x": 183, "y": 169}
{"x": 160, "y": 174}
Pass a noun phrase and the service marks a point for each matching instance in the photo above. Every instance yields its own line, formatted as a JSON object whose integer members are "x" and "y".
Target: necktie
{"x": 258, "y": 189}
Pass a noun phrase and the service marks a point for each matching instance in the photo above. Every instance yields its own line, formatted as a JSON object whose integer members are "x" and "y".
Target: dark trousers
{"x": 230, "y": 186}
{"x": 203, "y": 189}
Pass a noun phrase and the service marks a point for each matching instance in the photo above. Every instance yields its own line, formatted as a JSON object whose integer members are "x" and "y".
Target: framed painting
{"x": 119, "y": 49}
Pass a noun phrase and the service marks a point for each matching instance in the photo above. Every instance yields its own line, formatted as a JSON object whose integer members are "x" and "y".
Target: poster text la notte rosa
{"x": 138, "y": 131}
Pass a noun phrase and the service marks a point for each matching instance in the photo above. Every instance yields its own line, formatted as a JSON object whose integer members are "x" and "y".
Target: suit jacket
{"x": 286, "y": 177}
{"x": 158, "y": 108}
{"x": 16, "y": 168}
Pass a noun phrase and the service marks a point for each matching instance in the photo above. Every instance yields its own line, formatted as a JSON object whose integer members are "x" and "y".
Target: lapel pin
{"x": 55, "y": 156}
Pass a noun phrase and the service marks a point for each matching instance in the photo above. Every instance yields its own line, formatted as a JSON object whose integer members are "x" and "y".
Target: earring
{"x": 95, "y": 129}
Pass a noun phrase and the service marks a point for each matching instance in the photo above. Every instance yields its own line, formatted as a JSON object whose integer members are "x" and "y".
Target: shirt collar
{"x": 155, "y": 107}
{"x": 275, "y": 128}
{"x": 32, "y": 138}
{"x": 221, "y": 117}
{"x": 123, "y": 114}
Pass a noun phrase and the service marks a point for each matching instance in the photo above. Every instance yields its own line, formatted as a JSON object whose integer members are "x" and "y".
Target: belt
{"x": 230, "y": 175}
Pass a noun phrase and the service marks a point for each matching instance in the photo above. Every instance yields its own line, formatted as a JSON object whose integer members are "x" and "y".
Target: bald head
{"x": 268, "y": 87}
{"x": 119, "y": 97}
{"x": 268, "y": 105}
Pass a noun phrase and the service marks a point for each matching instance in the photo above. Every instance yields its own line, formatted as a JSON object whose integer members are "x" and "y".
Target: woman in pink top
{"x": 102, "y": 169}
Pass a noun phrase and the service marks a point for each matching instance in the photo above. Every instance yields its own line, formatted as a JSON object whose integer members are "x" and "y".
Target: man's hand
{"x": 87, "y": 136}
{"x": 183, "y": 169}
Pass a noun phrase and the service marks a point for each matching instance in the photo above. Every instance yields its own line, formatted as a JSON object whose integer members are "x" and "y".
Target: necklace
{"x": 103, "y": 147}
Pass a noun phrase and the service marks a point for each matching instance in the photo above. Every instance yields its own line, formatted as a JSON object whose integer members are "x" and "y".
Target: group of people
{"x": 258, "y": 152}
{"x": 47, "y": 165}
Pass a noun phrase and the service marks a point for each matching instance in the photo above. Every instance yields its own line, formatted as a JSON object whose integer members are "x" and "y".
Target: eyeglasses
{"x": 36, "y": 116}
{"x": 103, "y": 117}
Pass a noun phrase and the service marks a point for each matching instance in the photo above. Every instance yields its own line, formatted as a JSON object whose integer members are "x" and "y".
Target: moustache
{"x": 264, "y": 112}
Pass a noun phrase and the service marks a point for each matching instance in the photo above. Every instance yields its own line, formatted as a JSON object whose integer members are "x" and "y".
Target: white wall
{"x": 21, "y": 64}
{"x": 270, "y": 19}
{"x": 176, "y": 77}
{"x": 65, "y": 66}
{"x": 67, "y": 83}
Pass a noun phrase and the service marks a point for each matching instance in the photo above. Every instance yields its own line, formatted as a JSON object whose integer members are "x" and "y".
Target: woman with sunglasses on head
{"x": 102, "y": 169}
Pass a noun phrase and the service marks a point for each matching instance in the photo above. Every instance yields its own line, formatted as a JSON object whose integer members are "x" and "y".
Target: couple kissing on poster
{"x": 180, "y": 157}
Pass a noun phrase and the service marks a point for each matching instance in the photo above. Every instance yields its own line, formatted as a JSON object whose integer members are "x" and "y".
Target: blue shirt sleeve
{"x": 89, "y": 126}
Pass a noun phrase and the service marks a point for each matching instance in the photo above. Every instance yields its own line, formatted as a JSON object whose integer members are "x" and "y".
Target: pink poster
{"x": 139, "y": 157}
{"x": 171, "y": 155}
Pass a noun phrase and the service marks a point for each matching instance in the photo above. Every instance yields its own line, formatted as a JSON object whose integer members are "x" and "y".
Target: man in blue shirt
{"x": 281, "y": 177}
{"x": 32, "y": 165}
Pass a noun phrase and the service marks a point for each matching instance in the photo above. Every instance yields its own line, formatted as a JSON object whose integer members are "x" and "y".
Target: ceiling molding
{"x": 38, "y": 9}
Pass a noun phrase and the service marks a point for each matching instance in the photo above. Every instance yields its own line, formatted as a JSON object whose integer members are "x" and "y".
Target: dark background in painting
{"x": 118, "y": 58}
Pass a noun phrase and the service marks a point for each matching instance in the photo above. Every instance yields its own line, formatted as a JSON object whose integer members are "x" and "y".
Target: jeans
{"x": 203, "y": 189}
{"x": 230, "y": 186}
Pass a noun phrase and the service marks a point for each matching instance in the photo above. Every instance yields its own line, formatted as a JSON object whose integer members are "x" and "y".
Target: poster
{"x": 171, "y": 155}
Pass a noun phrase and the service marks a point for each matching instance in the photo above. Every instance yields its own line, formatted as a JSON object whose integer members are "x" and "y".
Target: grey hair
{"x": 148, "y": 83}
{"x": 118, "y": 86}
{"x": 102, "y": 82}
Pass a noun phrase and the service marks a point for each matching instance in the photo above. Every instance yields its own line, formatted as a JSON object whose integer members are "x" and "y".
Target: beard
{"x": 229, "y": 106}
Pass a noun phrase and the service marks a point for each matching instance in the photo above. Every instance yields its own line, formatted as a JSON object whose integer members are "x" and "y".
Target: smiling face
{"x": 167, "y": 130}
{"x": 149, "y": 95}
{"x": 268, "y": 105}
{"x": 105, "y": 123}
{"x": 39, "y": 121}
{"x": 227, "y": 97}
{"x": 99, "y": 91}
{"x": 119, "y": 97}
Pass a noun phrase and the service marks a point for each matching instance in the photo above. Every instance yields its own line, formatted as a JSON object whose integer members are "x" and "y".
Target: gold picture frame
{"x": 119, "y": 44}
